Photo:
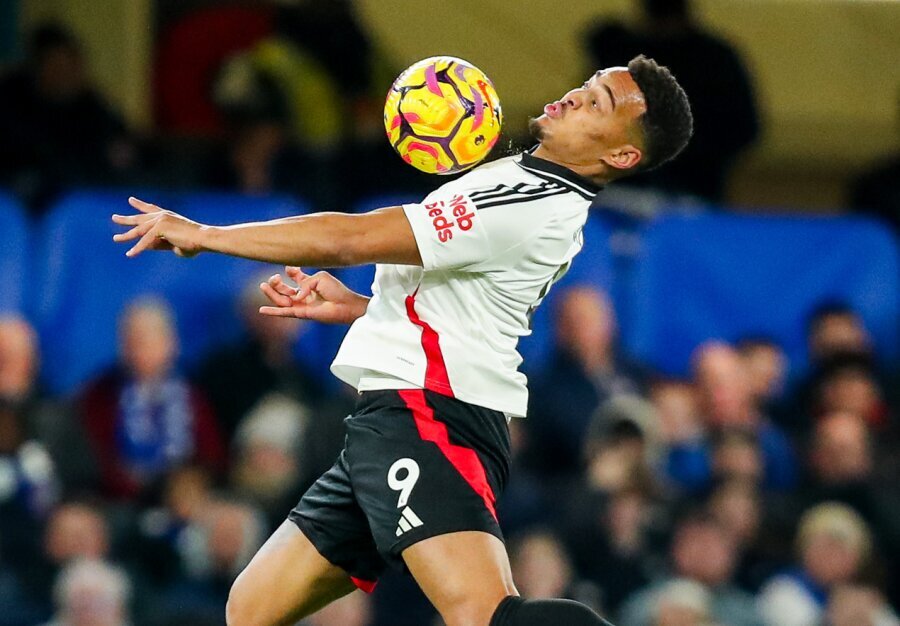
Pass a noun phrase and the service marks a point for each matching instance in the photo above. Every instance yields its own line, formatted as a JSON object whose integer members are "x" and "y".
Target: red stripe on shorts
{"x": 463, "y": 459}
{"x": 366, "y": 585}
{"x": 436, "y": 378}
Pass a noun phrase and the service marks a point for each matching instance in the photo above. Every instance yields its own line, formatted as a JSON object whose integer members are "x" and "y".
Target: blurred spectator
{"x": 354, "y": 609}
{"x": 859, "y": 606}
{"x": 18, "y": 359}
{"x": 766, "y": 365}
{"x": 163, "y": 530}
{"x": 675, "y": 403}
{"x": 585, "y": 370}
{"x": 841, "y": 452}
{"x": 142, "y": 417}
{"x": 702, "y": 552}
{"x": 313, "y": 68}
{"x": 736, "y": 457}
{"x": 683, "y": 603}
{"x": 727, "y": 404}
{"x": 28, "y": 487}
{"x": 55, "y": 129}
{"x": 214, "y": 550}
{"x": 622, "y": 447}
{"x": 842, "y": 469}
{"x": 833, "y": 546}
{"x": 610, "y": 513}
{"x": 737, "y": 506}
{"x": 76, "y": 530}
{"x": 194, "y": 39}
{"x": 540, "y": 566}
{"x": 269, "y": 468}
{"x": 27, "y": 475}
{"x": 238, "y": 377}
{"x": 835, "y": 336}
{"x": 847, "y": 382}
{"x": 92, "y": 593}
{"x": 42, "y": 419}
{"x": 323, "y": 79}
{"x": 542, "y": 569}
{"x": 613, "y": 546}
{"x": 257, "y": 159}
{"x": 835, "y": 328}
{"x": 714, "y": 77}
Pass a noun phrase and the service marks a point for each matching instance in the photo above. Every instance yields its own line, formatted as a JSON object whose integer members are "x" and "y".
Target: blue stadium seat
{"x": 87, "y": 279}
{"x": 14, "y": 253}
{"x": 725, "y": 276}
{"x": 593, "y": 266}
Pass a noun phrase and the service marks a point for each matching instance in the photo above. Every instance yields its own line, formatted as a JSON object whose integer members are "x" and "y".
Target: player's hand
{"x": 320, "y": 297}
{"x": 158, "y": 229}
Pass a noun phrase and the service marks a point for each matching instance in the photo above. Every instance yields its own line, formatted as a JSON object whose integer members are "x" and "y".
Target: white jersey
{"x": 492, "y": 244}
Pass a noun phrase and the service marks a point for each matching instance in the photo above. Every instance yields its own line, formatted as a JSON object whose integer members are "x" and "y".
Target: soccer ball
{"x": 442, "y": 115}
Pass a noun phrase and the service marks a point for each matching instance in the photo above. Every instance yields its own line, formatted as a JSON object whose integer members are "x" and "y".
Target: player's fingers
{"x": 131, "y": 220}
{"x": 145, "y": 242}
{"x": 143, "y": 207}
{"x": 135, "y": 232}
{"x": 278, "y": 284}
{"x": 306, "y": 289}
{"x": 275, "y": 297}
{"x": 294, "y": 273}
{"x": 276, "y": 311}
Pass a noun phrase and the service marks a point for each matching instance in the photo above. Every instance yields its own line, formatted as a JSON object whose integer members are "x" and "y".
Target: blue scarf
{"x": 155, "y": 427}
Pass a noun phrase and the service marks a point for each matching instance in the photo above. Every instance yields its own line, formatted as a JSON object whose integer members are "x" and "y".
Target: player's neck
{"x": 597, "y": 172}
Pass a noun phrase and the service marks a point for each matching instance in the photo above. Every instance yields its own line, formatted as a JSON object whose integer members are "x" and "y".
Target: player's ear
{"x": 623, "y": 158}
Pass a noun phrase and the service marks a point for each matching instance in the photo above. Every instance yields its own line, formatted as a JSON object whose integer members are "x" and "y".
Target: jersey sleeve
{"x": 453, "y": 233}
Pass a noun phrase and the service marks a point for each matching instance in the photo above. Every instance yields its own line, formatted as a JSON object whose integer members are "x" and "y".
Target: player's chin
{"x": 536, "y": 127}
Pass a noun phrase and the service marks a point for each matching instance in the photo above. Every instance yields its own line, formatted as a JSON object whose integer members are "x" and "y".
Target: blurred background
{"x": 713, "y": 437}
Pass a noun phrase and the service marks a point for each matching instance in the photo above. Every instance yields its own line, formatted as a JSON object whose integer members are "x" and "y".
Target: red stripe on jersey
{"x": 465, "y": 460}
{"x": 366, "y": 585}
{"x": 436, "y": 378}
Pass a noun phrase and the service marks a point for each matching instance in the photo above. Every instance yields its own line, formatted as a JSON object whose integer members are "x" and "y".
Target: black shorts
{"x": 415, "y": 464}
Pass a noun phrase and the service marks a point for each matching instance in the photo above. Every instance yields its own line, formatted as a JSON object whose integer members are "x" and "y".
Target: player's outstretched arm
{"x": 320, "y": 297}
{"x": 321, "y": 239}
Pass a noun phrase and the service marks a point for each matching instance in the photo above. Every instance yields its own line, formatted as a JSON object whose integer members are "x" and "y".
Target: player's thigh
{"x": 465, "y": 575}
{"x": 286, "y": 580}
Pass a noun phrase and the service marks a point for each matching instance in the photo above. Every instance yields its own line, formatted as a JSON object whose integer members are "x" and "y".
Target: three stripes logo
{"x": 408, "y": 521}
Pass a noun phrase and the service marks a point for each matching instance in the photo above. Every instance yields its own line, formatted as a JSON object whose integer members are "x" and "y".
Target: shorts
{"x": 415, "y": 464}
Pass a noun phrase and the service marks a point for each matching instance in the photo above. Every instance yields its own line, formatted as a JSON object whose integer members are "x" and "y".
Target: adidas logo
{"x": 408, "y": 521}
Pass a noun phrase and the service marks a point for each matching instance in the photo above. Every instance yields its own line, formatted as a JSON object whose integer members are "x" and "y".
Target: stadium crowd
{"x": 732, "y": 498}
{"x": 740, "y": 496}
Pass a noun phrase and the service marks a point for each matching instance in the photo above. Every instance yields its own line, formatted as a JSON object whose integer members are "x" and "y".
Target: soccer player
{"x": 433, "y": 354}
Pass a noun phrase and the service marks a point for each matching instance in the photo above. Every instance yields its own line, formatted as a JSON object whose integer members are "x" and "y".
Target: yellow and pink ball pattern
{"x": 442, "y": 115}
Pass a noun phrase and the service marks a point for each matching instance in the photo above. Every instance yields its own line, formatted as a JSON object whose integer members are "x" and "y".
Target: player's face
{"x": 595, "y": 123}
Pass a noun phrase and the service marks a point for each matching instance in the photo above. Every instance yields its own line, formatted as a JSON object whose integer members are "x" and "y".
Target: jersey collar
{"x": 558, "y": 174}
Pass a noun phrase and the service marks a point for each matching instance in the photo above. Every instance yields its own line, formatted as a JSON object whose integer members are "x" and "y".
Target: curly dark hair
{"x": 667, "y": 124}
